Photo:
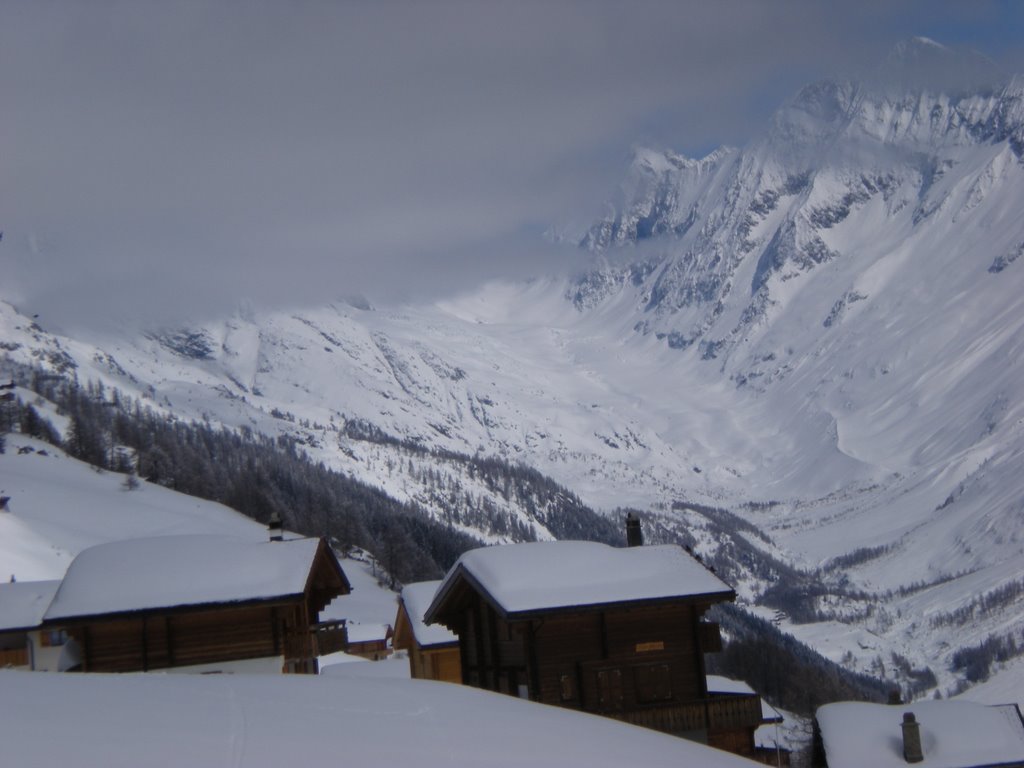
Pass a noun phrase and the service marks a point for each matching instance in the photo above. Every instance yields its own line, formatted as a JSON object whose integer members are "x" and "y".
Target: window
{"x": 609, "y": 688}
{"x": 566, "y": 688}
{"x": 53, "y": 638}
{"x": 653, "y": 683}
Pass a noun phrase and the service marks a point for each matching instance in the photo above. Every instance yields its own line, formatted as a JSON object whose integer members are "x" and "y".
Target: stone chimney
{"x": 634, "y": 536}
{"x": 275, "y": 527}
{"x": 912, "y": 751}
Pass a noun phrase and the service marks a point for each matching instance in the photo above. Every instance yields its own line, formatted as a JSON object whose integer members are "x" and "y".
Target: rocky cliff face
{"x": 725, "y": 241}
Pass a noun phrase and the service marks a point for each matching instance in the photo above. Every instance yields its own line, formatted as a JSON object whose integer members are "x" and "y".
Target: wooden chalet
{"x": 433, "y": 650}
{"x": 611, "y": 631}
{"x": 369, "y": 641}
{"x": 198, "y": 601}
{"x": 948, "y": 733}
{"x": 23, "y": 643}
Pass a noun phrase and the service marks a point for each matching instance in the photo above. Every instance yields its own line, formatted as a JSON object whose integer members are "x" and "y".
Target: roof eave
{"x": 462, "y": 573}
{"x": 323, "y": 550}
{"x": 430, "y": 615}
{"x": 172, "y": 609}
{"x": 438, "y": 646}
{"x": 706, "y": 597}
{"x": 13, "y": 630}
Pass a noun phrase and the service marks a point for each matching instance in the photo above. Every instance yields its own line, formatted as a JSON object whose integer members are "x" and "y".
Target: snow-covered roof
{"x": 359, "y": 632}
{"x": 23, "y": 603}
{"x": 417, "y": 598}
{"x": 169, "y": 571}
{"x": 551, "y": 575}
{"x": 719, "y": 684}
{"x": 954, "y": 734}
{"x": 258, "y": 720}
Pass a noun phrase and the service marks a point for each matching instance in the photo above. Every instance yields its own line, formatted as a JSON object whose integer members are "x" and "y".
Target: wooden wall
{"x": 200, "y": 637}
{"x": 619, "y": 660}
{"x": 610, "y": 661}
{"x": 14, "y": 657}
{"x": 643, "y": 665}
{"x": 435, "y": 664}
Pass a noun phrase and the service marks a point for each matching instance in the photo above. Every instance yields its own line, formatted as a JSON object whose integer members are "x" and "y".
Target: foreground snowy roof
{"x": 169, "y": 571}
{"x": 257, "y": 720}
{"x": 551, "y": 575}
{"x": 23, "y": 603}
{"x": 954, "y": 734}
{"x": 417, "y": 598}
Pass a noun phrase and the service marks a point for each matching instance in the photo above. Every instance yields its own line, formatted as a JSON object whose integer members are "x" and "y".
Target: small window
{"x": 53, "y": 638}
{"x": 566, "y": 687}
{"x": 609, "y": 688}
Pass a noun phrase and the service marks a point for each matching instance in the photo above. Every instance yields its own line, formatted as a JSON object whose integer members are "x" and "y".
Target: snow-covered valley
{"x": 819, "y": 333}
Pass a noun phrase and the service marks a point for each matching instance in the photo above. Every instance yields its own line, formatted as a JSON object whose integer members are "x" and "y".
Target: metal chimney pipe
{"x": 275, "y": 527}
{"x": 912, "y": 751}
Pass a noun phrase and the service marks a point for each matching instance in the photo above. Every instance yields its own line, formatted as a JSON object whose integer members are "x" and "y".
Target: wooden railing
{"x": 331, "y": 636}
{"x": 720, "y": 713}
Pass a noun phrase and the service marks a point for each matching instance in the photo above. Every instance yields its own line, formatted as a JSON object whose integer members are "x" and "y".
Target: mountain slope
{"x": 820, "y": 332}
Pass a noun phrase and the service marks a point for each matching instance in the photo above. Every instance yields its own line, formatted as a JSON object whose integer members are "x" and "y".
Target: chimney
{"x": 634, "y": 536}
{"x": 275, "y": 527}
{"x": 912, "y": 752}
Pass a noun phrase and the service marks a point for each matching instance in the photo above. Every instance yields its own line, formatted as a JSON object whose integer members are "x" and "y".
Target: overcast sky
{"x": 161, "y": 158}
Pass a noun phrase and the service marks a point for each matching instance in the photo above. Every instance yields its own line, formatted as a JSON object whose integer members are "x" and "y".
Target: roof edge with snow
{"x": 172, "y": 574}
{"x": 184, "y": 607}
{"x": 461, "y": 574}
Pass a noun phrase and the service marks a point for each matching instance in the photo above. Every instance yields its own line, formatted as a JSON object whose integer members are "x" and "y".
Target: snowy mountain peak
{"x": 916, "y": 47}
{"x": 922, "y": 63}
{"x": 818, "y": 111}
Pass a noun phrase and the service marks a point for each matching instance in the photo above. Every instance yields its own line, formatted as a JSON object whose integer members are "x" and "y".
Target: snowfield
{"x": 238, "y": 720}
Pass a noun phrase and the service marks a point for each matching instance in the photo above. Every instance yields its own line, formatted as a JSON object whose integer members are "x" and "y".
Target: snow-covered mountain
{"x": 819, "y": 332}
{"x": 853, "y": 272}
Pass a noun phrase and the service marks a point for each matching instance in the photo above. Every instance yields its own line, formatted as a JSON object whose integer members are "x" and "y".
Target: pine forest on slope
{"x": 260, "y": 477}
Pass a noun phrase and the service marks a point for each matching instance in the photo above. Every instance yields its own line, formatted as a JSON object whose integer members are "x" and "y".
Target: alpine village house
{"x": 610, "y": 631}
{"x": 208, "y": 603}
{"x": 433, "y": 649}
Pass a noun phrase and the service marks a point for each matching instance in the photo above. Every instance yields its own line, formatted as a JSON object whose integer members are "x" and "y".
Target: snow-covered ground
{"x": 1004, "y": 687}
{"x": 241, "y": 720}
{"x": 60, "y": 506}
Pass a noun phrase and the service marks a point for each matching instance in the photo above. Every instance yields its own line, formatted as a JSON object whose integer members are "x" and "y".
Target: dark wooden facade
{"x": 204, "y": 634}
{"x": 641, "y": 662}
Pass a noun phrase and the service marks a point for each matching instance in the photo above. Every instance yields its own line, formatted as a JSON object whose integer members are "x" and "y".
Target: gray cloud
{"x": 171, "y": 158}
